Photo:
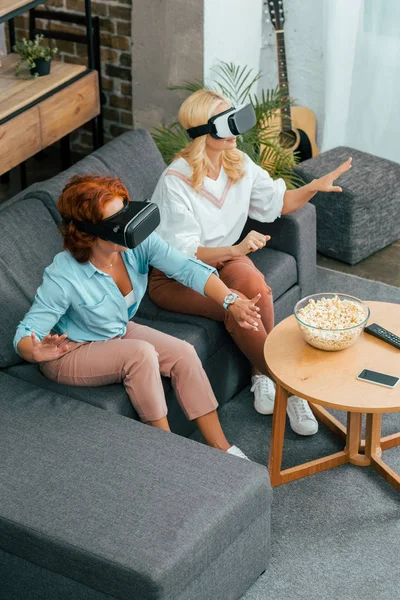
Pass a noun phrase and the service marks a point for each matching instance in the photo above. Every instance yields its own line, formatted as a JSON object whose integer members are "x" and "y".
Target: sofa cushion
{"x": 134, "y": 158}
{"x": 212, "y": 331}
{"x": 54, "y": 186}
{"x": 205, "y": 344}
{"x": 29, "y": 239}
{"x": 124, "y": 508}
{"x": 108, "y": 397}
{"x": 113, "y": 397}
{"x": 278, "y": 268}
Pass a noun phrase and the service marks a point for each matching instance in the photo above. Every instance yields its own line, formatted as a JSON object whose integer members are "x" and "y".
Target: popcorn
{"x": 337, "y": 322}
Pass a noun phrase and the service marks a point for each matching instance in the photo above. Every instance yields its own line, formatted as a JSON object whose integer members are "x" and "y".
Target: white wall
{"x": 235, "y": 30}
{"x": 304, "y": 38}
{"x": 232, "y": 33}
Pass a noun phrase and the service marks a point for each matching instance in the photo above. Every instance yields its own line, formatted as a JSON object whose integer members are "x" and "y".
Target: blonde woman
{"x": 205, "y": 197}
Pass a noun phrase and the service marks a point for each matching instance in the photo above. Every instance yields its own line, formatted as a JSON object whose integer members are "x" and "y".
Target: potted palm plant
{"x": 261, "y": 143}
{"x": 34, "y": 55}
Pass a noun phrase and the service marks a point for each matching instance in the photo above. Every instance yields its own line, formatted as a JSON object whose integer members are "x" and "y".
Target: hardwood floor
{"x": 382, "y": 266}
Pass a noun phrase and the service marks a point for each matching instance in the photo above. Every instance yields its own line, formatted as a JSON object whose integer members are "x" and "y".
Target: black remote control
{"x": 383, "y": 334}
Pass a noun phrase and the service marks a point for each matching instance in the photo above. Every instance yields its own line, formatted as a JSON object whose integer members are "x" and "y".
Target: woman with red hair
{"x": 79, "y": 328}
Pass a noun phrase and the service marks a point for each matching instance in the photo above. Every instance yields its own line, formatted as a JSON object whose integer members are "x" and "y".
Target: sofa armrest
{"x": 295, "y": 234}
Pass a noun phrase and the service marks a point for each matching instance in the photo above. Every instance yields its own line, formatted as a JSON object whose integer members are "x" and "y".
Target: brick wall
{"x": 115, "y": 40}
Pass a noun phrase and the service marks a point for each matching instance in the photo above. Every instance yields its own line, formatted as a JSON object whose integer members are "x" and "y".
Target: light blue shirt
{"x": 86, "y": 304}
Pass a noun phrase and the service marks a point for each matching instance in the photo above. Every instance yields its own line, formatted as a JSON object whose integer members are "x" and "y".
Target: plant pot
{"x": 42, "y": 67}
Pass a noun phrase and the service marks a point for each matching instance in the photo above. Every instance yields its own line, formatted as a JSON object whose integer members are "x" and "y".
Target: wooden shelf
{"x": 64, "y": 100}
{"x": 17, "y": 93}
{"x": 9, "y": 9}
{"x": 36, "y": 112}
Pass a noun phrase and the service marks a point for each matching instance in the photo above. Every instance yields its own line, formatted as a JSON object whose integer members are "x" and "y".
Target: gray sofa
{"x": 97, "y": 505}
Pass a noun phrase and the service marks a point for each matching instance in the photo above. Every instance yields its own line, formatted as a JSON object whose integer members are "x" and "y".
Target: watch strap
{"x": 227, "y": 304}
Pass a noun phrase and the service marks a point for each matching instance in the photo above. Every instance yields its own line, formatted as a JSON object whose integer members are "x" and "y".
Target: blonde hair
{"x": 196, "y": 110}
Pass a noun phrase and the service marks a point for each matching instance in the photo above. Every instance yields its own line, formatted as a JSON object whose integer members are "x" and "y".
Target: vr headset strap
{"x": 195, "y": 132}
{"x": 209, "y": 127}
{"x": 97, "y": 229}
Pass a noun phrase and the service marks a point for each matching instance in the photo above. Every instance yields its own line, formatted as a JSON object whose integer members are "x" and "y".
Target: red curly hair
{"x": 84, "y": 198}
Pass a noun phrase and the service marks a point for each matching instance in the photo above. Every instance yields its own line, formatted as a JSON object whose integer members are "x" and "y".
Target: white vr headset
{"x": 230, "y": 123}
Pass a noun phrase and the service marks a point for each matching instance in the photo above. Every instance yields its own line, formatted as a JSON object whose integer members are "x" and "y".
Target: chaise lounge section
{"x": 95, "y": 505}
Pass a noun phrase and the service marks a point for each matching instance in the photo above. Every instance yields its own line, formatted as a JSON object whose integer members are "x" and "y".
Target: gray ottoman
{"x": 365, "y": 217}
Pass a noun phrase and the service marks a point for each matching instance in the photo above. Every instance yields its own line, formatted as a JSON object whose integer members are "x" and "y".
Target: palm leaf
{"x": 235, "y": 82}
{"x": 267, "y": 104}
{"x": 170, "y": 139}
{"x": 189, "y": 86}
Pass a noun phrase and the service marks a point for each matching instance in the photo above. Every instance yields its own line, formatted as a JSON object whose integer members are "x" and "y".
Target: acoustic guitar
{"x": 297, "y": 124}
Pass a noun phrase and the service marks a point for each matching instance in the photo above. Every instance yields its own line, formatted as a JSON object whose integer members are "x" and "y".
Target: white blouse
{"x": 216, "y": 215}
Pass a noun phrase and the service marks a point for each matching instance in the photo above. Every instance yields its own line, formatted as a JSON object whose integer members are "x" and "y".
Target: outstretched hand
{"x": 49, "y": 348}
{"x": 325, "y": 183}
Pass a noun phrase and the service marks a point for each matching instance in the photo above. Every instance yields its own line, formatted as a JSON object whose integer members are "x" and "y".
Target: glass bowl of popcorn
{"x": 331, "y": 321}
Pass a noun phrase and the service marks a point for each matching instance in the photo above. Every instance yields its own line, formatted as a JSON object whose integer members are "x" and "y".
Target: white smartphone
{"x": 379, "y": 378}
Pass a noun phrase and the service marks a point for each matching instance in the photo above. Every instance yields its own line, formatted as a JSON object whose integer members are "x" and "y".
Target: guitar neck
{"x": 283, "y": 79}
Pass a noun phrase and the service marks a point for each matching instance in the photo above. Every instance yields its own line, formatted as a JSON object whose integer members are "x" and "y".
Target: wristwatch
{"x": 230, "y": 299}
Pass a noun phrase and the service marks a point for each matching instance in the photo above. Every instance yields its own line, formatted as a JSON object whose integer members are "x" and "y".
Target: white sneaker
{"x": 301, "y": 418}
{"x": 264, "y": 394}
{"x": 237, "y": 452}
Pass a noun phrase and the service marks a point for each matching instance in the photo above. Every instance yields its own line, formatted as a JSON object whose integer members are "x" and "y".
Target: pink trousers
{"x": 138, "y": 359}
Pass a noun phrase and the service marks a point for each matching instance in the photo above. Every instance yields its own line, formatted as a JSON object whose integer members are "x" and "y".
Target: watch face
{"x": 230, "y": 298}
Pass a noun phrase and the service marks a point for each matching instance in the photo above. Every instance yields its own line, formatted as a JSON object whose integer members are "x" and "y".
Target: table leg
{"x": 23, "y": 176}
{"x": 373, "y": 435}
{"x": 390, "y": 441}
{"x": 386, "y": 472}
{"x": 353, "y": 443}
{"x": 329, "y": 420}
{"x": 277, "y": 436}
{"x": 373, "y": 450}
{"x": 11, "y": 33}
{"x": 65, "y": 152}
{"x": 278, "y": 476}
{"x": 373, "y": 445}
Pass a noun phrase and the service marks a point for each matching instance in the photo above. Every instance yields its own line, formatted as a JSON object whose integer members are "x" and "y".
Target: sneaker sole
{"x": 263, "y": 412}
{"x": 300, "y": 432}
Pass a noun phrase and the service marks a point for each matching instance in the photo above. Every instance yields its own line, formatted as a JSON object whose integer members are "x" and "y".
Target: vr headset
{"x": 128, "y": 227}
{"x": 231, "y": 122}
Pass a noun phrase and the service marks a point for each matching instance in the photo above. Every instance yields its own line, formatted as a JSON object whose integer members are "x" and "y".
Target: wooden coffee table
{"x": 328, "y": 379}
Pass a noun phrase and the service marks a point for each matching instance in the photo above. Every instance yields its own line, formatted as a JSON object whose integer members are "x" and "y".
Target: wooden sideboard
{"x": 35, "y": 113}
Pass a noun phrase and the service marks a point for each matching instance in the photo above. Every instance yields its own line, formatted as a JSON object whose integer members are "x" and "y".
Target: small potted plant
{"x": 34, "y": 55}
